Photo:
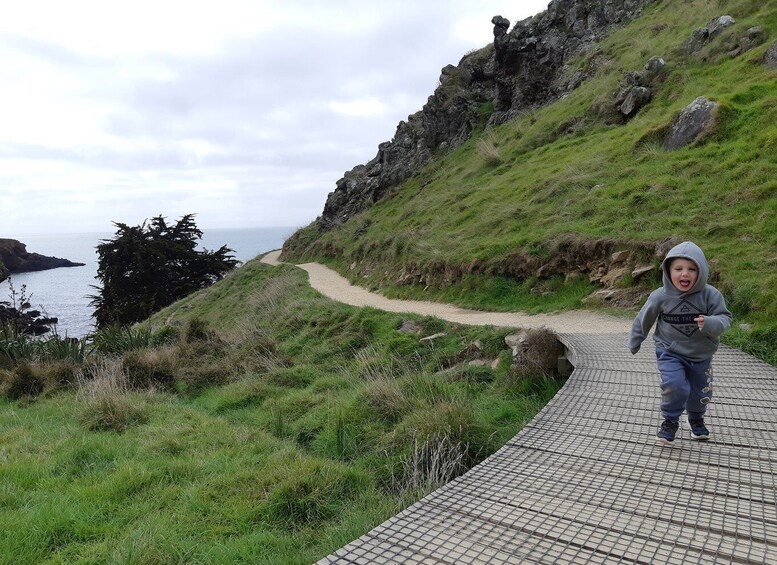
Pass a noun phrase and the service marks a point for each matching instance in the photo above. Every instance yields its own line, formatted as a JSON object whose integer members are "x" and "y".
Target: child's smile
{"x": 684, "y": 274}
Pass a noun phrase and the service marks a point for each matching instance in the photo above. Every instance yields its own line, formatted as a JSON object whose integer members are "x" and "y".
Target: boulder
{"x": 703, "y": 35}
{"x": 410, "y": 327}
{"x": 770, "y": 58}
{"x": 690, "y": 123}
{"x": 637, "y": 98}
{"x": 717, "y": 25}
{"x": 654, "y": 68}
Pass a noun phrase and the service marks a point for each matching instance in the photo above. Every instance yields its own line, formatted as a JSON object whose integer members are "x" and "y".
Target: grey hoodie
{"x": 675, "y": 310}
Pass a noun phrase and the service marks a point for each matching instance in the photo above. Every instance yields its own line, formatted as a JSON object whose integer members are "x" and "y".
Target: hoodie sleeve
{"x": 719, "y": 318}
{"x": 645, "y": 320}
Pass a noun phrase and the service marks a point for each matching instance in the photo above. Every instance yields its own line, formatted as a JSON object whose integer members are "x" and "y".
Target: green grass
{"x": 253, "y": 422}
{"x": 594, "y": 179}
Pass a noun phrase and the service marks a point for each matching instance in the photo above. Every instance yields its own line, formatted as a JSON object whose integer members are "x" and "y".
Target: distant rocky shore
{"x": 14, "y": 258}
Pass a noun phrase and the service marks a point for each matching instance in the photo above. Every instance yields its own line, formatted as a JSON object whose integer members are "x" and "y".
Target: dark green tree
{"x": 147, "y": 267}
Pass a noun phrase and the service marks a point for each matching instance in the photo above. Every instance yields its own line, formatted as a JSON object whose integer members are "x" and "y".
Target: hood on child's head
{"x": 686, "y": 250}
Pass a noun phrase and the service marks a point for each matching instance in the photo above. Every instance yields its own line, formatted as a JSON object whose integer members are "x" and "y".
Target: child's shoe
{"x": 698, "y": 430}
{"x": 667, "y": 432}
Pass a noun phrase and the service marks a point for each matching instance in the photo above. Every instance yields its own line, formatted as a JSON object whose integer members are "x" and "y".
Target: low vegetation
{"x": 254, "y": 421}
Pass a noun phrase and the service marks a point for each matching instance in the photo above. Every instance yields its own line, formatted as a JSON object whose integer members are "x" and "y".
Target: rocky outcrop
{"x": 24, "y": 320}
{"x": 635, "y": 91}
{"x": 524, "y": 68}
{"x": 15, "y": 259}
{"x": 531, "y": 58}
{"x": 703, "y": 35}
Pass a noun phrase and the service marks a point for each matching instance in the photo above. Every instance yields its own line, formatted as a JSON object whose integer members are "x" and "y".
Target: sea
{"x": 64, "y": 293}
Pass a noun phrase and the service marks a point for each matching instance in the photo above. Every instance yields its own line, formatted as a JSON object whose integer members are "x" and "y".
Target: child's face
{"x": 684, "y": 274}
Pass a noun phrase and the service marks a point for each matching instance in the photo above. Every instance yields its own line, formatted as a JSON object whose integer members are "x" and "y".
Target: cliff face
{"x": 14, "y": 258}
{"x": 523, "y": 68}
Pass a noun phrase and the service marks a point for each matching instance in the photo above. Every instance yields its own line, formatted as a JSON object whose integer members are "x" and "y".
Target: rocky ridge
{"x": 522, "y": 69}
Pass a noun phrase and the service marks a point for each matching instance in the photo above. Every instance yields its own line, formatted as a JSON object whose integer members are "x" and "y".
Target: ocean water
{"x": 64, "y": 293}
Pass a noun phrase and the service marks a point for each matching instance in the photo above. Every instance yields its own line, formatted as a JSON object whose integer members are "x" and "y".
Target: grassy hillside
{"x": 572, "y": 169}
{"x": 262, "y": 424}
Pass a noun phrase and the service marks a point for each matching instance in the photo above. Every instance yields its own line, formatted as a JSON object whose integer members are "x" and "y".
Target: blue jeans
{"x": 685, "y": 385}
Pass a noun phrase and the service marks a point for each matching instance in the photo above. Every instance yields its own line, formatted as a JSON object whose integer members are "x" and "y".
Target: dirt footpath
{"x": 331, "y": 284}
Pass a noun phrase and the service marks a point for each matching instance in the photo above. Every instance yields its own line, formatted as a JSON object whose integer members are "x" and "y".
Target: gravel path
{"x": 333, "y": 285}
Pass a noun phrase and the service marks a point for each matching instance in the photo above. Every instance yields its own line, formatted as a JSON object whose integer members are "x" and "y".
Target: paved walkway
{"x": 584, "y": 482}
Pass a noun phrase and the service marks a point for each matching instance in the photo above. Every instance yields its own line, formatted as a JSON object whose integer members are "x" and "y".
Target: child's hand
{"x": 700, "y": 322}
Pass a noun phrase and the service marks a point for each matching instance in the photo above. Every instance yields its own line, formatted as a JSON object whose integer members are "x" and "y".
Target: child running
{"x": 691, "y": 317}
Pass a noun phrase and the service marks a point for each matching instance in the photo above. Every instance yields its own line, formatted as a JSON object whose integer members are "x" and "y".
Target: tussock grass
{"x": 488, "y": 149}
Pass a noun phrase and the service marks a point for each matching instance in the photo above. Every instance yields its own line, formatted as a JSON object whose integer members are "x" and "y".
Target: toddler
{"x": 691, "y": 317}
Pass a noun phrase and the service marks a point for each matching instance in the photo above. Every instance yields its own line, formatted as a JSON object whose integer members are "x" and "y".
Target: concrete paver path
{"x": 584, "y": 481}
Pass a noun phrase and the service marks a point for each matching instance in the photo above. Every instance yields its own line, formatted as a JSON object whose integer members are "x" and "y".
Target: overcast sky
{"x": 245, "y": 113}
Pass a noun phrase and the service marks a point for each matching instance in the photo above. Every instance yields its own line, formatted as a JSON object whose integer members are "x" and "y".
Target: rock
{"x": 14, "y": 255}
{"x": 637, "y": 98}
{"x": 703, "y": 35}
{"x": 697, "y": 40}
{"x": 516, "y": 341}
{"x": 654, "y": 68}
{"x": 717, "y": 25}
{"x": 619, "y": 298}
{"x": 500, "y": 25}
{"x": 614, "y": 275}
{"x": 24, "y": 320}
{"x": 690, "y": 123}
{"x": 640, "y": 272}
{"x": 410, "y": 327}
{"x": 620, "y": 256}
{"x": 746, "y": 327}
{"x": 770, "y": 58}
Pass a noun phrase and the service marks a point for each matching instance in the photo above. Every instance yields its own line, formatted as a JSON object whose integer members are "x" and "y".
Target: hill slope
{"x": 500, "y": 221}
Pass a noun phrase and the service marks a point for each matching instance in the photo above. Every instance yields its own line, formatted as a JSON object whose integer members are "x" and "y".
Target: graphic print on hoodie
{"x": 673, "y": 311}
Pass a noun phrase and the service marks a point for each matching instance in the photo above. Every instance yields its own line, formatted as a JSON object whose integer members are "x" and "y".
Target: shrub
{"x": 166, "y": 335}
{"x": 115, "y": 339}
{"x": 61, "y": 372}
{"x": 23, "y": 382}
{"x": 196, "y": 330}
{"x": 58, "y": 348}
{"x": 149, "y": 369}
